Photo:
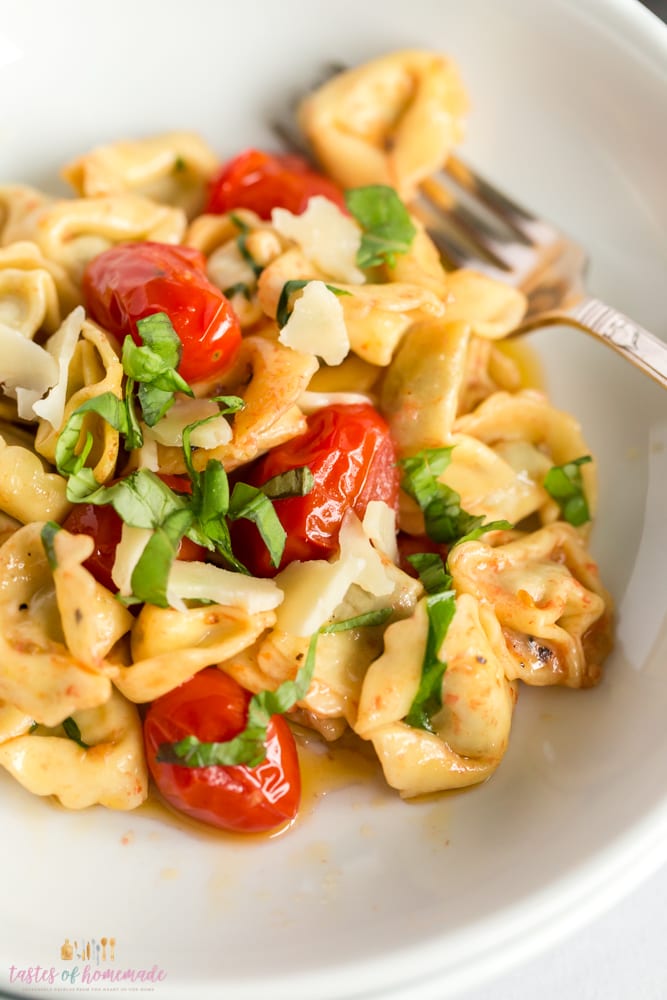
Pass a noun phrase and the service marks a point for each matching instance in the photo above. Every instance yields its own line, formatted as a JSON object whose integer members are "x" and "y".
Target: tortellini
{"x": 391, "y": 121}
{"x": 321, "y": 326}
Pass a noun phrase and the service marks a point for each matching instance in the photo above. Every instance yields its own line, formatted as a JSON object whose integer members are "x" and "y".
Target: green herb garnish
{"x": 249, "y": 747}
{"x": 73, "y": 732}
{"x": 440, "y": 608}
{"x": 565, "y": 485}
{"x": 242, "y": 244}
{"x": 388, "y": 228}
{"x": 444, "y": 519}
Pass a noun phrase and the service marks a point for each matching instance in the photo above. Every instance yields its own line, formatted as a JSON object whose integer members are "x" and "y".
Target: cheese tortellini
{"x": 430, "y": 613}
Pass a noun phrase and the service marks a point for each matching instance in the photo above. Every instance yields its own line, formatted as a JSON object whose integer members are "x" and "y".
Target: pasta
{"x": 285, "y": 450}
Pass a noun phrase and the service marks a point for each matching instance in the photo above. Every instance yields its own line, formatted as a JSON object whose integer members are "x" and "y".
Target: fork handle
{"x": 614, "y": 329}
{"x": 630, "y": 339}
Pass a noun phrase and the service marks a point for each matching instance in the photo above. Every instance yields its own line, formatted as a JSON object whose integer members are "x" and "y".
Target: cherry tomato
{"x": 263, "y": 181}
{"x": 133, "y": 280}
{"x": 351, "y": 456}
{"x": 104, "y": 525}
{"x": 214, "y": 708}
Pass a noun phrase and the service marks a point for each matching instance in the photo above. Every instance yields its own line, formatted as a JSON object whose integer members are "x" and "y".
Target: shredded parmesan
{"x": 310, "y": 402}
{"x": 169, "y": 430}
{"x": 132, "y": 543}
{"x": 379, "y": 524}
{"x": 28, "y": 371}
{"x": 317, "y": 326}
{"x": 313, "y": 590}
{"x": 61, "y": 347}
{"x": 198, "y": 581}
{"x": 328, "y": 237}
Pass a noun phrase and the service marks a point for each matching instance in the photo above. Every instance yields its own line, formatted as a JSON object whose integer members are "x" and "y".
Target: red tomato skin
{"x": 213, "y": 707}
{"x": 352, "y": 458}
{"x": 263, "y": 181}
{"x": 104, "y": 525}
{"x": 133, "y": 280}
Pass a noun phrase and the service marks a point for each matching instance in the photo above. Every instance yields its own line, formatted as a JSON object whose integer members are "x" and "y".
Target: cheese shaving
{"x": 198, "y": 581}
{"x": 313, "y": 590}
{"x": 169, "y": 430}
{"x": 129, "y": 550}
{"x": 61, "y": 347}
{"x": 328, "y": 237}
{"x": 317, "y": 326}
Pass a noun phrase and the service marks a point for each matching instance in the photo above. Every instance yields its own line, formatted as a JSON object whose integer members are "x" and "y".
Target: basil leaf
{"x": 47, "y": 534}
{"x": 445, "y": 520}
{"x": 110, "y": 408}
{"x": 211, "y": 506}
{"x": 153, "y": 366}
{"x": 388, "y": 228}
{"x": 240, "y": 288}
{"x": 432, "y": 571}
{"x": 151, "y": 573}
{"x": 421, "y": 471}
{"x": 292, "y": 483}
{"x": 427, "y": 702}
{"x": 251, "y": 503}
{"x": 241, "y": 242}
{"x": 72, "y": 732}
{"x": 157, "y": 333}
{"x": 143, "y": 364}
{"x": 134, "y": 437}
{"x": 283, "y": 311}
{"x": 142, "y": 500}
{"x": 249, "y": 747}
{"x": 565, "y": 485}
{"x": 154, "y": 402}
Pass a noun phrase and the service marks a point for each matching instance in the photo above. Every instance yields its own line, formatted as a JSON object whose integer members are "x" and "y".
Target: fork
{"x": 477, "y": 226}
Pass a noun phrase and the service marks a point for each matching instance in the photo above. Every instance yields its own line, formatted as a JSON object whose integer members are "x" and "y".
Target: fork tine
{"x": 455, "y": 250}
{"x": 503, "y": 251}
{"x": 518, "y": 218}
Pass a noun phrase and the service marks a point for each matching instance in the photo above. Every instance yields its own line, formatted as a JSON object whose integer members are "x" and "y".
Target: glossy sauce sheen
{"x": 325, "y": 768}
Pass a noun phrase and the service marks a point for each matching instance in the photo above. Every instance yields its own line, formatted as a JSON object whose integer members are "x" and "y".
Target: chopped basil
{"x": 249, "y": 747}
{"x": 151, "y": 573}
{"x": 283, "y": 312}
{"x": 388, "y": 228}
{"x": 107, "y": 406}
{"x": 72, "y": 732}
{"x": 440, "y": 607}
{"x": 241, "y": 242}
{"x": 444, "y": 519}
{"x": 153, "y": 366}
{"x": 565, "y": 485}
{"x": 251, "y": 503}
{"x": 240, "y": 288}
{"x": 432, "y": 571}
{"x": 292, "y": 483}
{"x": 47, "y": 534}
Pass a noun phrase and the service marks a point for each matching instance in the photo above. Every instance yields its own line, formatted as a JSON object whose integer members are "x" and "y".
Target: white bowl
{"x": 368, "y": 896}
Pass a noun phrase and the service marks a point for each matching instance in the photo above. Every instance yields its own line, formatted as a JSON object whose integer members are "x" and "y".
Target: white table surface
{"x": 622, "y": 955}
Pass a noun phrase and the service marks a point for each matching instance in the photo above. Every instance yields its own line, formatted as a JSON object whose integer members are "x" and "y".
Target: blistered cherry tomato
{"x": 214, "y": 708}
{"x": 133, "y": 280}
{"x": 263, "y": 181}
{"x": 104, "y": 525}
{"x": 351, "y": 456}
